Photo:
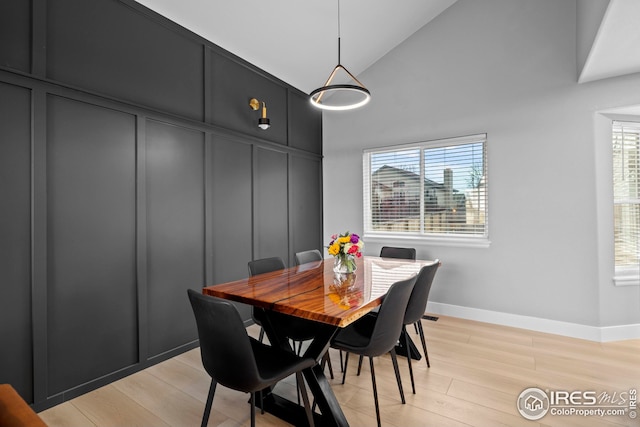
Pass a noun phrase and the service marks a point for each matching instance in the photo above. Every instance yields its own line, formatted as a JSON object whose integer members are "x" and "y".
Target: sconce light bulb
{"x": 264, "y": 123}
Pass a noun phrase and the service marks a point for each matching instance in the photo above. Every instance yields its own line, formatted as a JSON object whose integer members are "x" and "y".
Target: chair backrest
{"x": 418, "y": 301}
{"x": 394, "y": 252}
{"x": 390, "y": 318}
{"x": 265, "y": 265}
{"x": 308, "y": 256}
{"x": 225, "y": 346}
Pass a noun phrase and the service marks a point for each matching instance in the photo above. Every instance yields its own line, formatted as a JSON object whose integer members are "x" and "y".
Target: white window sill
{"x": 449, "y": 240}
{"x": 628, "y": 278}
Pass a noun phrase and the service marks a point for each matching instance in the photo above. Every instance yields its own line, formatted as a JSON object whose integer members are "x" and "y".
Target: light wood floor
{"x": 477, "y": 372}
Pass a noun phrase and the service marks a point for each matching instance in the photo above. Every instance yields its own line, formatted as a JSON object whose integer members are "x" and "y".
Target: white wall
{"x": 506, "y": 68}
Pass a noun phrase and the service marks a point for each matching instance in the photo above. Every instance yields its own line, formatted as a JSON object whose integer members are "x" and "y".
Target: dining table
{"x": 314, "y": 297}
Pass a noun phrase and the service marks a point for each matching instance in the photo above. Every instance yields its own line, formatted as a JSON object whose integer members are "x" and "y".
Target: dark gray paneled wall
{"x": 270, "y": 196}
{"x": 304, "y": 212}
{"x": 232, "y": 210}
{"x": 15, "y": 239}
{"x": 176, "y": 231}
{"x": 91, "y": 254}
{"x": 112, "y": 49}
{"x": 230, "y": 81}
{"x": 15, "y": 25}
{"x": 132, "y": 169}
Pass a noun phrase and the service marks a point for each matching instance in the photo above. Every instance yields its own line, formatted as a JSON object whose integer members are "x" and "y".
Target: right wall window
{"x": 626, "y": 197}
{"x": 432, "y": 190}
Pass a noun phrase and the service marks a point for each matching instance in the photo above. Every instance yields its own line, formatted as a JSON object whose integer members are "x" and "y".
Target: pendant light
{"x": 340, "y": 96}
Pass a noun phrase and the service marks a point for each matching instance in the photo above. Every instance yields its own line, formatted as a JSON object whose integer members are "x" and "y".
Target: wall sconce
{"x": 263, "y": 122}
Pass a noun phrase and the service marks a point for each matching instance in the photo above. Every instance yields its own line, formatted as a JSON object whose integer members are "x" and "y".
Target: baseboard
{"x": 574, "y": 330}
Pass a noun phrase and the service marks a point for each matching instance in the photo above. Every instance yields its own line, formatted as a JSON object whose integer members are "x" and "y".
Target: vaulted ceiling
{"x": 616, "y": 47}
{"x": 296, "y": 40}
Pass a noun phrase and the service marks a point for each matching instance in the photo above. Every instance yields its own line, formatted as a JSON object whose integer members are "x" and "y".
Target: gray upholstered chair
{"x": 373, "y": 336}
{"x": 397, "y": 252}
{"x": 237, "y": 361}
{"x": 259, "y": 266}
{"x": 305, "y": 257}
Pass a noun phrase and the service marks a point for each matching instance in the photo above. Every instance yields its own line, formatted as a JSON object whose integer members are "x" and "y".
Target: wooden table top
{"x": 313, "y": 291}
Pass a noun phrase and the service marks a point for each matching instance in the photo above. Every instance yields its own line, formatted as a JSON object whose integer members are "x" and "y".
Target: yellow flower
{"x": 334, "y": 249}
{"x": 344, "y": 239}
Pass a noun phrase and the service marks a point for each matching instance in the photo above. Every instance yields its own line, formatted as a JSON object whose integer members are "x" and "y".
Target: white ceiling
{"x": 296, "y": 40}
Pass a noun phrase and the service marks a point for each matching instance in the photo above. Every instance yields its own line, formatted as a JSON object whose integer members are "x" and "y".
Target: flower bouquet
{"x": 345, "y": 248}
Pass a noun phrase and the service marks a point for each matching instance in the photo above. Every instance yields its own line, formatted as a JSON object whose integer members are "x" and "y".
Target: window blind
{"x": 626, "y": 197}
{"x": 436, "y": 188}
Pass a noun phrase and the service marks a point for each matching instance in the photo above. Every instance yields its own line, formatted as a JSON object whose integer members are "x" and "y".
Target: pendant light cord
{"x": 339, "y": 32}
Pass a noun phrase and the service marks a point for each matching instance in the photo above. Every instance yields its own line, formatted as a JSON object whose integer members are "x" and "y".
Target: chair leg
{"x": 341, "y": 365}
{"x": 207, "y": 406}
{"x": 375, "y": 389}
{"x": 297, "y": 352}
{"x": 424, "y": 343}
{"x": 253, "y": 409}
{"x": 394, "y": 359}
{"x": 329, "y": 364}
{"x": 406, "y": 343}
{"x": 326, "y": 361}
{"x": 305, "y": 398}
{"x": 344, "y": 370}
{"x": 360, "y": 364}
{"x": 261, "y": 336}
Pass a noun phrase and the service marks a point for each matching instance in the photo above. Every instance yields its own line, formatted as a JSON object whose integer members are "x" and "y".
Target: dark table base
{"x": 401, "y": 349}
{"x": 331, "y": 414}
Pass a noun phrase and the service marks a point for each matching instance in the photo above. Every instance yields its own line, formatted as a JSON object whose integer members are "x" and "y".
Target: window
{"x": 435, "y": 189}
{"x": 626, "y": 198}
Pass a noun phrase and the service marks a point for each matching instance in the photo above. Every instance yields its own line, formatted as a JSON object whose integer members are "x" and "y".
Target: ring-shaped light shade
{"x": 316, "y": 96}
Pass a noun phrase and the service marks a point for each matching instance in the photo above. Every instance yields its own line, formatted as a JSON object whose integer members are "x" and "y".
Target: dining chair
{"x": 415, "y": 310}
{"x": 305, "y": 257}
{"x": 297, "y": 330}
{"x": 397, "y": 252}
{"x": 311, "y": 255}
{"x": 237, "y": 361}
{"x": 400, "y": 253}
{"x": 259, "y": 266}
{"x": 387, "y": 252}
{"x": 373, "y": 336}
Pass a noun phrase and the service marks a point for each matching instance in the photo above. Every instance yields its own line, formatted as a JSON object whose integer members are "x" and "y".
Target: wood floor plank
{"x": 66, "y": 414}
{"x": 164, "y": 400}
{"x": 109, "y": 407}
{"x": 467, "y": 412}
{"x": 484, "y": 396}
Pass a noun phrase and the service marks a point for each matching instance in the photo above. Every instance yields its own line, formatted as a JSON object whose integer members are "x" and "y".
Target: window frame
{"x": 441, "y": 239}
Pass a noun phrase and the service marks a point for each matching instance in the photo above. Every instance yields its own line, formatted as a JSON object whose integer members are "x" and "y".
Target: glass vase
{"x": 344, "y": 264}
